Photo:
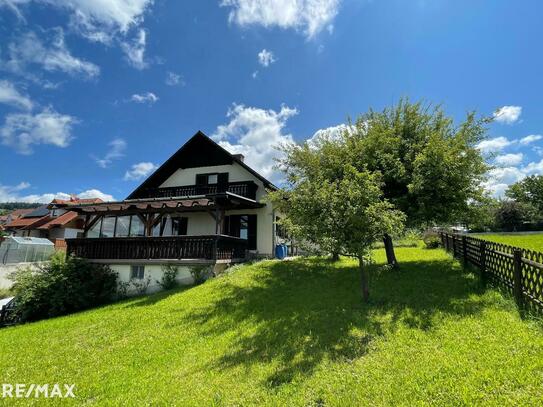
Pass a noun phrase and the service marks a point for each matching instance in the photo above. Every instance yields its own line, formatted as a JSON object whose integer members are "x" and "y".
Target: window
{"x": 137, "y": 272}
{"x": 171, "y": 226}
{"x": 123, "y": 226}
{"x": 108, "y": 226}
{"x": 212, "y": 178}
{"x": 244, "y": 227}
{"x": 137, "y": 228}
{"x": 94, "y": 231}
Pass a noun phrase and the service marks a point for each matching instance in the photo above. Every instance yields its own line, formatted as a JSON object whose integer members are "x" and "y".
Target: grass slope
{"x": 294, "y": 333}
{"x": 533, "y": 241}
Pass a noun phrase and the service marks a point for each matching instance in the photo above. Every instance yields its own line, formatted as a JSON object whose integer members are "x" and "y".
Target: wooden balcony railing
{"x": 243, "y": 188}
{"x": 208, "y": 247}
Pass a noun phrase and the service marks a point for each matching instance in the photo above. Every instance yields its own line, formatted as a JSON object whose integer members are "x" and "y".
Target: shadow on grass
{"x": 297, "y": 313}
{"x": 145, "y": 300}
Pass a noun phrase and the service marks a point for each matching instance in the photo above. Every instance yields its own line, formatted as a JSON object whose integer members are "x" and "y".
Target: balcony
{"x": 208, "y": 247}
{"x": 246, "y": 189}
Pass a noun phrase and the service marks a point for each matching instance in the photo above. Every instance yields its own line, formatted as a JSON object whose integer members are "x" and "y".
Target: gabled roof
{"x": 17, "y": 213}
{"x": 59, "y": 221}
{"x": 27, "y": 223}
{"x": 198, "y": 151}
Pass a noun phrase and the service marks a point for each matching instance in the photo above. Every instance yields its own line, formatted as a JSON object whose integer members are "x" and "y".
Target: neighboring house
{"x": 54, "y": 221}
{"x": 202, "y": 206}
{"x": 13, "y": 215}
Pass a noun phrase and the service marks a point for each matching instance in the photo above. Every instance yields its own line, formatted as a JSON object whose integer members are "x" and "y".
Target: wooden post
{"x": 517, "y": 277}
{"x": 464, "y": 249}
{"x": 482, "y": 248}
{"x": 453, "y": 246}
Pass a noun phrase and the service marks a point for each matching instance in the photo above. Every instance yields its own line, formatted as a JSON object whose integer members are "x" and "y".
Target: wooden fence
{"x": 519, "y": 271}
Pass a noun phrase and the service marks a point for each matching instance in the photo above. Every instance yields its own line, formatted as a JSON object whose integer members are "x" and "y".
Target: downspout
{"x": 273, "y": 232}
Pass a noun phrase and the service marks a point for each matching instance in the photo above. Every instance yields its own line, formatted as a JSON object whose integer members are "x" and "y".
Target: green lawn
{"x": 294, "y": 333}
{"x": 533, "y": 241}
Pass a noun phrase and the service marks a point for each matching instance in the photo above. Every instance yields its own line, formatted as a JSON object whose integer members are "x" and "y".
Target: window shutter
{"x": 222, "y": 181}
{"x": 251, "y": 233}
{"x": 183, "y": 226}
{"x": 226, "y": 225}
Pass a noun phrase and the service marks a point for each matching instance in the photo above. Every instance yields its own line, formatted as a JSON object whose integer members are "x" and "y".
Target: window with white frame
{"x": 137, "y": 272}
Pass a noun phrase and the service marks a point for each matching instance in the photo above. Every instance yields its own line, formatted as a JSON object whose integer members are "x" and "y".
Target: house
{"x": 202, "y": 206}
{"x": 13, "y": 215}
{"x": 54, "y": 221}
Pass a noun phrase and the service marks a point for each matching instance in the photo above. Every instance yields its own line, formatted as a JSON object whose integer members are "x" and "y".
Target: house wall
{"x": 203, "y": 224}
{"x": 235, "y": 172}
{"x": 63, "y": 233}
{"x": 155, "y": 272}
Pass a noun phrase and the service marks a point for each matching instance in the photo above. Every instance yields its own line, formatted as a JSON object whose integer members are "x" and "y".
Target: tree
{"x": 481, "y": 214}
{"x": 431, "y": 168}
{"x": 512, "y": 215}
{"x": 528, "y": 191}
{"x": 343, "y": 212}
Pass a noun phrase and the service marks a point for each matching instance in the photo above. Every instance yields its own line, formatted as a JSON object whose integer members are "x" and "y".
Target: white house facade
{"x": 202, "y": 206}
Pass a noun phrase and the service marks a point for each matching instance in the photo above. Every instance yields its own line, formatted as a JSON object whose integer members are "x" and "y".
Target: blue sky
{"x": 95, "y": 94}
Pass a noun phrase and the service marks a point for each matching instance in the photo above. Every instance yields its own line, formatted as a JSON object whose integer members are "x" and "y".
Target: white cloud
{"x": 265, "y": 58}
{"x": 532, "y": 138}
{"x": 509, "y": 160}
{"x": 148, "y": 97}
{"x": 329, "y": 133}
{"x": 309, "y": 16}
{"x": 534, "y": 168}
{"x": 254, "y": 74}
{"x": 51, "y": 54}
{"x": 494, "y": 144}
{"x": 139, "y": 171}
{"x": 256, "y": 133}
{"x": 116, "y": 149}
{"x": 98, "y": 20}
{"x": 95, "y": 193}
{"x": 12, "y": 194}
{"x": 508, "y": 114}
{"x": 173, "y": 79}
{"x": 499, "y": 179}
{"x": 22, "y": 130}
{"x": 135, "y": 50}
{"x": 11, "y": 96}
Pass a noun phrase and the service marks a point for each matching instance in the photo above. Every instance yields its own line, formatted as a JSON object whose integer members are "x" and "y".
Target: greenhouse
{"x": 14, "y": 249}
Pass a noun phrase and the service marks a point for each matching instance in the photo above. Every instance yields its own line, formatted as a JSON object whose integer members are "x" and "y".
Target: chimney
{"x": 240, "y": 157}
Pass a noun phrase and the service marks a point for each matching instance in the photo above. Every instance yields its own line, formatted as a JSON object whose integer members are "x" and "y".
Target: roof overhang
{"x": 225, "y": 200}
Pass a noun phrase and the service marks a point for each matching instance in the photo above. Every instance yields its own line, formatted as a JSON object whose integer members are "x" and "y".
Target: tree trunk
{"x": 364, "y": 280}
{"x": 389, "y": 249}
{"x": 335, "y": 256}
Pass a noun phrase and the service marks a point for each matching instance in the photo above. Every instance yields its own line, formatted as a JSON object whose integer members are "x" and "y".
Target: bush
{"x": 200, "y": 273}
{"x": 431, "y": 239}
{"x": 5, "y": 293}
{"x": 61, "y": 287}
{"x": 141, "y": 286}
{"x": 169, "y": 276}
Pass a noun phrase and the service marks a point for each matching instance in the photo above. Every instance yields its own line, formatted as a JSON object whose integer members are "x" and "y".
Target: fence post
{"x": 453, "y": 246}
{"x": 464, "y": 249}
{"x": 482, "y": 265}
{"x": 517, "y": 277}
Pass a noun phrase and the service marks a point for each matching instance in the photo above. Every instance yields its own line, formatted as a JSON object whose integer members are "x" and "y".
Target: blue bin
{"x": 285, "y": 250}
{"x": 280, "y": 252}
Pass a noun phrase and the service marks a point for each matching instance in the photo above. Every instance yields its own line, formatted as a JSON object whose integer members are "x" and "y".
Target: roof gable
{"x": 198, "y": 151}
